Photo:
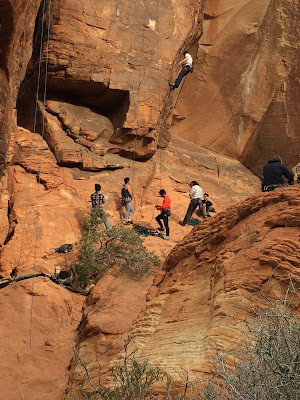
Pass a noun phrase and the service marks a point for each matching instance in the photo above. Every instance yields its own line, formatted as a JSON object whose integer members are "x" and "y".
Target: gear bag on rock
{"x": 65, "y": 248}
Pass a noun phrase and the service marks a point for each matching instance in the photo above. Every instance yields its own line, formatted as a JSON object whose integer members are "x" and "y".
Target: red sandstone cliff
{"x": 245, "y": 89}
{"x": 204, "y": 289}
{"x": 108, "y": 102}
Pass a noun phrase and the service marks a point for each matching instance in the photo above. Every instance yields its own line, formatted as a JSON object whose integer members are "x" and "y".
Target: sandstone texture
{"x": 209, "y": 282}
{"x": 60, "y": 201}
{"x": 113, "y": 58}
{"x": 15, "y": 53}
{"x": 107, "y": 116}
{"x": 60, "y": 197}
{"x": 243, "y": 98}
{"x": 35, "y": 357}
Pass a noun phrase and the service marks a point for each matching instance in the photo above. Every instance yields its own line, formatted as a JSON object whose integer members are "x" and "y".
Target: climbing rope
{"x": 138, "y": 99}
{"x": 40, "y": 167}
{"x": 159, "y": 92}
{"x": 33, "y": 138}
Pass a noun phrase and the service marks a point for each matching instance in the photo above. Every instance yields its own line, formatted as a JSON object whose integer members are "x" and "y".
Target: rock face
{"x": 39, "y": 371}
{"x": 108, "y": 110}
{"x": 62, "y": 197}
{"x": 207, "y": 284}
{"x": 60, "y": 202}
{"x": 15, "y": 53}
{"x": 115, "y": 58}
{"x": 245, "y": 88}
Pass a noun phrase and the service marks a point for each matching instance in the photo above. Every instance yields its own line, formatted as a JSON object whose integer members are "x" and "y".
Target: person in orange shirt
{"x": 165, "y": 212}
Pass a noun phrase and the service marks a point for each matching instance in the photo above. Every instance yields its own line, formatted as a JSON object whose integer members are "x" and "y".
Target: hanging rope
{"x": 159, "y": 91}
{"x": 33, "y": 138}
{"x": 40, "y": 167}
{"x": 138, "y": 95}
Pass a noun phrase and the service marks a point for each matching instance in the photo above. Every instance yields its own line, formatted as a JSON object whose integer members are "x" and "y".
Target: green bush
{"x": 101, "y": 249}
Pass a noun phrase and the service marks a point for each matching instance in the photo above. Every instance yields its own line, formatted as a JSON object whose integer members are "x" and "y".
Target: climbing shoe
{"x": 165, "y": 237}
{"x": 172, "y": 86}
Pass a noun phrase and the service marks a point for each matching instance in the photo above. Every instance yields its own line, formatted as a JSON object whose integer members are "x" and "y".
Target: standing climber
{"x": 165, "y": 212}
{"x": 97, "y": 201}
{"x": 196, "y": 194}
{"x": 273, "y": 172}
{"x": 187, "y": 65}
{"x": 127, "y": 202}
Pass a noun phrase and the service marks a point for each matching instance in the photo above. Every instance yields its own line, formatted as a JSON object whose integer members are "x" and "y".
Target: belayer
{"x": 196, "y": 194}
{"x": 273, "y": 172}
{"x": 205, "y": 206}
{"x": 187, "y": 67}
{"x": 165, "y": 212}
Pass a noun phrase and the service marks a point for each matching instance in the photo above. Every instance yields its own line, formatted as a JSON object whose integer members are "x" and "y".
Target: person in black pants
{"x": 165, "y": 212}
{"x": 187, "y": 65}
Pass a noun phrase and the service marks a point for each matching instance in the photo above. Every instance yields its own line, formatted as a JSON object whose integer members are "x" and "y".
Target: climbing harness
{"x": 270, "y": 188}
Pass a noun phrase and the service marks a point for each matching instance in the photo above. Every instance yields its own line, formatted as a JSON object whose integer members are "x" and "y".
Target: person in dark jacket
{"x": 273, "y": 172}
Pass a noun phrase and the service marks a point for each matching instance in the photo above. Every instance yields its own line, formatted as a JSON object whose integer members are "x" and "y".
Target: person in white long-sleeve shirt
{"x": 196, "y": 194}
{"x": 187, "y": 67}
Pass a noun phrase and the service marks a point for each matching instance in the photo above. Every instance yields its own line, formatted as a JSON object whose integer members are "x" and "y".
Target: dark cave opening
{"x": 111, "y": 103}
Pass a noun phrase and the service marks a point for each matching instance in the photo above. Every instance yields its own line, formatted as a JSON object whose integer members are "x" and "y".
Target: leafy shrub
{"x": 101, "y": 249}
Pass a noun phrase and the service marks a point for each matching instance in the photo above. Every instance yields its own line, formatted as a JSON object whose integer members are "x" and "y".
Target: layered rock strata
{"x": 210, "y": 282}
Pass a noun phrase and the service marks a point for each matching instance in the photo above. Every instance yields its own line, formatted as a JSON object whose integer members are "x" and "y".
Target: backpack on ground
{"x": 65, "y": 248}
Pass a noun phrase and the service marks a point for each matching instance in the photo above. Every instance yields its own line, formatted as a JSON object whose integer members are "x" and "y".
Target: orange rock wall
{"x": 17, "y": 21}
{"x": 35, "y": 356}
{"x": 116, "y": 58}
{"x": 243, "y": 98}
{"x": 108, "y": 99}
{"x": 210, "y": 282}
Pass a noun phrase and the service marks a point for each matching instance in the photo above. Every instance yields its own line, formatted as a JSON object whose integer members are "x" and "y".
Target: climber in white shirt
{"x": 196, "y": 194}
{"x": 187, "y": 66}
